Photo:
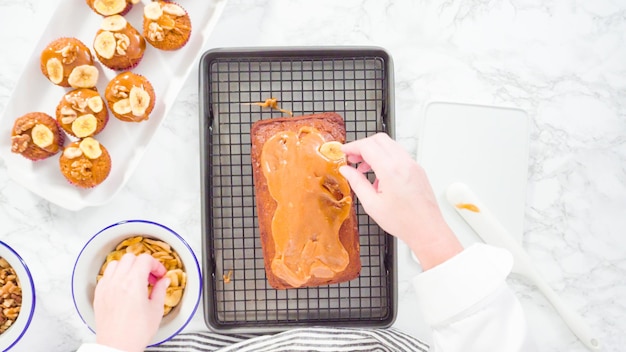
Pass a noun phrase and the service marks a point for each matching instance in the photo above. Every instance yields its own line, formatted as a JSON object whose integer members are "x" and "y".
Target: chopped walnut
{"x": 19, "y": 143}
{"x": 10, "y": 295}
{"x": 81, "y": 169}
{"x": 23, "y": 125}
{"x": 69, "y": 53}
{"x": 68, "y": 115}
{"x": 78, "y": 103}
{"x": 155, "y": 32}
{"x": 122, "y": 43}
{"x": 120, "y": 92}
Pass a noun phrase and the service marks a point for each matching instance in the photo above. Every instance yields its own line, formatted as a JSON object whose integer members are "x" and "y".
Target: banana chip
{"x": 162, "y": 252}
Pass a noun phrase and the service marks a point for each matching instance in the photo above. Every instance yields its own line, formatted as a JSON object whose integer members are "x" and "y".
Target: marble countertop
{"x": 562, "y": 61}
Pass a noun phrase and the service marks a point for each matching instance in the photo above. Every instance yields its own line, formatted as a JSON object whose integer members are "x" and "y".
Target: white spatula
{"x": 493, "y": 232}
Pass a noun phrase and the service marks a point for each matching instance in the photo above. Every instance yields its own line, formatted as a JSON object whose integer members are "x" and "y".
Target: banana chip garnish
{"x": 332, "y": 151}
{"x": 162, "y": 252}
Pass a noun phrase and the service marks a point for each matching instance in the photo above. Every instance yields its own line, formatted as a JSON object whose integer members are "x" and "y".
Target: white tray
{"x": 485, "y": 147}
{"x": 126, "y": 142}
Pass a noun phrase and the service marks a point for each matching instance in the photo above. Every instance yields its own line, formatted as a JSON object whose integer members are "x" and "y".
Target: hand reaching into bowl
{"x": 127, "y": 316}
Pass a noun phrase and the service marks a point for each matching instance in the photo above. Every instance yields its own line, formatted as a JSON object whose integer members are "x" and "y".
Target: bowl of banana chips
{"x": 137, "y": 237}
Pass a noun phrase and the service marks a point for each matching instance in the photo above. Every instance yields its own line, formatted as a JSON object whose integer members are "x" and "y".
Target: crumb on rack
{"x": 227, "y": 277}
{"x": 271, "y": 103}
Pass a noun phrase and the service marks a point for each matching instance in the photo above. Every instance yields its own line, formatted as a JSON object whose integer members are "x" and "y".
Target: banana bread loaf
{"x": 307, "y": 220}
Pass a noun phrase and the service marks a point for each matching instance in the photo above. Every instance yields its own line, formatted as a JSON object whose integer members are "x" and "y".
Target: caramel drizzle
{"x": 271, "y": 103}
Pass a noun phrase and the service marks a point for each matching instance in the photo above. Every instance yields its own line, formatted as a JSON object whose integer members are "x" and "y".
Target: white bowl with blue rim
{"x": 16, "y": 331}
{"x": 93, "y": 255}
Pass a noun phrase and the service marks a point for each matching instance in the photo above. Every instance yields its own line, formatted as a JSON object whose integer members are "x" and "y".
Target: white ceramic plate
{"x": 94, "y": 253}
{"x": 13, "y": 334}
{"x": 126, "y": 142}
{"x": 485, "y": 147}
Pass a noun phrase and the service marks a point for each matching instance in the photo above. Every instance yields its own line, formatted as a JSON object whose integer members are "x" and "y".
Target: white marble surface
{"x": 562, "y": 61}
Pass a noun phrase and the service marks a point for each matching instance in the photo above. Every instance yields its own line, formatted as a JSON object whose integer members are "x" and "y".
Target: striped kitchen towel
{"x": 299, "y": 339}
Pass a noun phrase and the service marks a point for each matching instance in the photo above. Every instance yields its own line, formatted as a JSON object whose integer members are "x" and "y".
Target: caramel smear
{"x": 271, "y": 103}
{"x": 313, "y": 200}
{"x": 468, "y": 206}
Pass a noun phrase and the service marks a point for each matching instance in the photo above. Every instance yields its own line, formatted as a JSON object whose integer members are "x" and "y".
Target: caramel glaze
{"x": 129, "y": 80}
{"x": 137, "y": 43}
{"x": 313, "y": 200}
{"x": 82, "y": 94}
{"x": 133, "y": 53}
{"x": 73, "y": 47}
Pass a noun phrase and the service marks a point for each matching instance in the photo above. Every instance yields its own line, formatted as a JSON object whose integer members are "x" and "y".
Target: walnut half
{"x": 155, "y": 32}
{"x": 19, "y": 143}
{"x": 122, "y": 43}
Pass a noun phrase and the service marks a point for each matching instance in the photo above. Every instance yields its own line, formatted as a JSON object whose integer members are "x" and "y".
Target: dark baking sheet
{"x": 357, "y": 83}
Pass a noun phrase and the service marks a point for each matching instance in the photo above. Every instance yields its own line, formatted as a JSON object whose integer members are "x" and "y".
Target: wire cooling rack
{"x": 354, "y": 82}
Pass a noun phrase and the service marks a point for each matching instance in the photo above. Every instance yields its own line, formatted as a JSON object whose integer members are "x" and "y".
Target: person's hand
{"x": 126, "y": 316}
{"x": 401, "y": 199}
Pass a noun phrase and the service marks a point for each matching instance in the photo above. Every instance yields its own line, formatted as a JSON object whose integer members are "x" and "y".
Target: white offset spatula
{"x": 493, "y": 232}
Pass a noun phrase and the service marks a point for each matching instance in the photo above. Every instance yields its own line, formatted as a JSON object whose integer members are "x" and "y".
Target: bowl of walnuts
{"x": 17, "y": 297}
{"x": 141, "y": 236}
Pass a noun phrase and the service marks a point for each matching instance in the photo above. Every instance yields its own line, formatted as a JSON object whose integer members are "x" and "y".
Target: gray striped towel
{"x": 299, "y": 339}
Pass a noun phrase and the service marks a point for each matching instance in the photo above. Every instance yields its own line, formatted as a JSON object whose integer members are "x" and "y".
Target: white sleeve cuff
{"x": 459, "y": 283}
{"x": 94, "y": 347}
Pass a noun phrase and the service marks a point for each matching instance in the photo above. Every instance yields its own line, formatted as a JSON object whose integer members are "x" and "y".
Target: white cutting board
{"x": 485, "y": 147}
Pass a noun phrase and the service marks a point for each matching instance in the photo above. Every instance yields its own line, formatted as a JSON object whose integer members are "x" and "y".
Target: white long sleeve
{"x": 94, "y": 347}
{"x": 468, "y": 304}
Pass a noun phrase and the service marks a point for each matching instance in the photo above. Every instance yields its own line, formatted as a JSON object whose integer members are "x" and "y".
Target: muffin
{"x": 166, "y": 25}
{"x": 118, "y": 45}
{"x": 85, "y": 163}
{"x": 36, "y": 136}
{"x": 111, "y": 7}
{"x": 82, "y": 113}
{"x": 68, "y": 62}
{"x": 130, "y": 97}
